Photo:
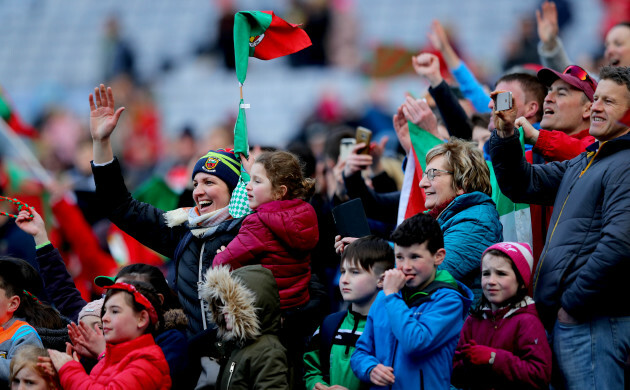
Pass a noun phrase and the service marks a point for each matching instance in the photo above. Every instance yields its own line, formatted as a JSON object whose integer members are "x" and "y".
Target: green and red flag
{"x": 263, "y": 35}
{"x": 12, "y": 119}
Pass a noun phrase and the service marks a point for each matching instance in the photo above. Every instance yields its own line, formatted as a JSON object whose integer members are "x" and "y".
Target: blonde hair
{"x": 27, "y": 356}
{"x": 285, "y": 169}
{"x": 470, "y": 170}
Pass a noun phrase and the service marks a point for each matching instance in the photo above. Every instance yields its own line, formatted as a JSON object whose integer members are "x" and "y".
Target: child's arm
{"x": 364, "y": 362}
{"x": 530, "y": 363}
{"x": 248, "y": 243}
{"x": 57, "y": 281}
{"x": 439, "y": 322}
{"x": 312, "y": 367}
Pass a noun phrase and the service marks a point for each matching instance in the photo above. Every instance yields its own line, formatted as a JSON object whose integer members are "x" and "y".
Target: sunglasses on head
{"x": 580, "y": 73}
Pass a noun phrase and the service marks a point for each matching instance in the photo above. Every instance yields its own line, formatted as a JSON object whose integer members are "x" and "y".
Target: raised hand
{"x": 35, "y": 226}
{"x": 357, "y": 162}
{"x": 503, "y": 120}
{"x": 428, "y": 65}
{"x": 418, "y": 112}
{"x": 402, "y": 129}
{"x": 103, "y": 118}
{"x": 438, "y": 38}
{"x": 87, "y": 342}
{"x": 547, "y": 23}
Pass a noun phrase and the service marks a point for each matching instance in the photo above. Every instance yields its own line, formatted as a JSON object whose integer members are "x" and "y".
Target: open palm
{"x": 103, "y": 118}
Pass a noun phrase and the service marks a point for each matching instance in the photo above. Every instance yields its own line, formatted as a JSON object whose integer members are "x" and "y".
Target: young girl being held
{"x": 503, "y": 344}
{"x": 26, "y": 374}
{"x": 282, "y": 231}
{"x": 132, "y": 360}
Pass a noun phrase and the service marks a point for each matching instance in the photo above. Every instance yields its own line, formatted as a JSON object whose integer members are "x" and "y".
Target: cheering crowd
{"x": 498, "y": 251}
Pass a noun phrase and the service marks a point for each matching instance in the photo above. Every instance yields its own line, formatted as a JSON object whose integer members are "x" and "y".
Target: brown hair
{"x": 285, "y": 169}
{"x": 533, "y": 88}
{"x": 27, "y": 356}
{"x": 470, "y": 171}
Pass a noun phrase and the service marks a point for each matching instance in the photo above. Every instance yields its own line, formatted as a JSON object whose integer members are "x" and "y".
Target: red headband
{"x": 137, "y": 296}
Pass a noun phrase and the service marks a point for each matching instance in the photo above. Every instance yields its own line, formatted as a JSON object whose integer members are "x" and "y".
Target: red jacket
{"x": 552, "y": 146}
{"x": 280, "y": 236}
{"x": 523, "y": 356}
{"x": 136, "y": 364}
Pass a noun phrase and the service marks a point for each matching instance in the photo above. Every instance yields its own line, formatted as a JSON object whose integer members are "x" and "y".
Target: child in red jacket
{"x": 131, "y": 359}
{"x": 282, "y": 231}
{"x": 503, "y": 344}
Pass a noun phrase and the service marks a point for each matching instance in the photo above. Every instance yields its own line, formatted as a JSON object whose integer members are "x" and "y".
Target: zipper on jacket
{"x": 231, "y": 372}
{"x": 421, "y": 380}
{"x": 394, "y": 357}
{"x": 542, "y": 259}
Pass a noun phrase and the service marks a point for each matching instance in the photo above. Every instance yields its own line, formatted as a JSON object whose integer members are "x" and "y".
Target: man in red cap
{"x": 566, "y": 114}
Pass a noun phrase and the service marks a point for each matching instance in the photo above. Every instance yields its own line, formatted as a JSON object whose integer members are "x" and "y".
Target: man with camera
{"x": 580, "y": 281}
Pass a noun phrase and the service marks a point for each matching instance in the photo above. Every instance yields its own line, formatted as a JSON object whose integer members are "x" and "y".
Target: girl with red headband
{"x": 131, "y": 314}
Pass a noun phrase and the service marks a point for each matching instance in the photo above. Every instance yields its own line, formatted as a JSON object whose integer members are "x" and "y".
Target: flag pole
{"x": 25, "y": 154}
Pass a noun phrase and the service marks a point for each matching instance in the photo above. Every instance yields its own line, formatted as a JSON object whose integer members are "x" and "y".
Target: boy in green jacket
{"x": 327, "y": 362}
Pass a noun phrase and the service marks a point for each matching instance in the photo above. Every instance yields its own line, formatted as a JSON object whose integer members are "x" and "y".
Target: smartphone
{"x": 345, "y": 147}
{"x": 363, "y": 135}
{"x": 503, "y": 101}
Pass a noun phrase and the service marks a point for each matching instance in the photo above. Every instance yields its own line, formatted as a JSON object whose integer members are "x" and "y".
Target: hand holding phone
{"x": 503, "y": 101}
{"x": 363, "y": 135}
{"x": 345, "y": 147}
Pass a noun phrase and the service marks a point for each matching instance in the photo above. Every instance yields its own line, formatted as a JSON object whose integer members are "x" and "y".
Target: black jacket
{"x": 585, "y": 263}
{"x": 146, "y": 224}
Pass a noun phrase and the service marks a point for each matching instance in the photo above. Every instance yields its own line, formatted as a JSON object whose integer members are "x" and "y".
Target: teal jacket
{"x": 470, "y": 224}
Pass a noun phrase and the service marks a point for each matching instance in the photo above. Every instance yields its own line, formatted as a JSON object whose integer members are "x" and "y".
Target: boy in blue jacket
{"x": 414, "y": 324}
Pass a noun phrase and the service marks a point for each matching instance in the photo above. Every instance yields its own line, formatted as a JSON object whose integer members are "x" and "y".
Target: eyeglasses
{"x": 580, "y": 73}
{"x": 430, "y": 173}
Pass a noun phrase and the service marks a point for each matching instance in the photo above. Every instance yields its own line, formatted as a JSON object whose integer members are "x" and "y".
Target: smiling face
{"x": 610, "y": 103}
{"x": 259, "y": 188}
{"x": 498, "y": 280}
{"x": 618, "y": 46}
{"x": 120, "y": 321}
{"x": 440, "y": 189}
{"x": 566, "y": 109}
{"x": 28, "y": 379}
{"x": 210, "y": 193}
{"x": 419, "y": 263}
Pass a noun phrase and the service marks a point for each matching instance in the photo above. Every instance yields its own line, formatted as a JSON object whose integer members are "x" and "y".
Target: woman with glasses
{"x": 457, "y": 188}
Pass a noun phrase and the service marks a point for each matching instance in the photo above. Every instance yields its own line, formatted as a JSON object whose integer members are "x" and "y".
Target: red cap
{"x": 572, "y": 75}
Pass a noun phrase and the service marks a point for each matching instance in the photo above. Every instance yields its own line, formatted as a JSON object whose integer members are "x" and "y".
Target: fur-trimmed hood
{"x": 248, "y": 295}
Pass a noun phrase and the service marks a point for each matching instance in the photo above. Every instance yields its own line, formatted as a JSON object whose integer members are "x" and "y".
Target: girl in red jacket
{"x": 282, "y": 231}
{"x": 503, "y": 344}
{"x": 132, "y": 360}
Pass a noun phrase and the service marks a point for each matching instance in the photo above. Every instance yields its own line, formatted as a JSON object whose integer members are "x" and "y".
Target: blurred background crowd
{"x": 171, "y": 64}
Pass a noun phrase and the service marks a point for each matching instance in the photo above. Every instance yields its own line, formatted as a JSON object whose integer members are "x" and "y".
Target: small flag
{"x": 263, "y": 35}
{"x": 412, "y": 196}
{"x": 13, "y": 120}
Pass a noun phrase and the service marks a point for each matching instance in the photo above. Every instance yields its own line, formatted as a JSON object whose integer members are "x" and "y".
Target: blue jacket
{"x": 418, "y": 341}
{"x": 470, "y": 224}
